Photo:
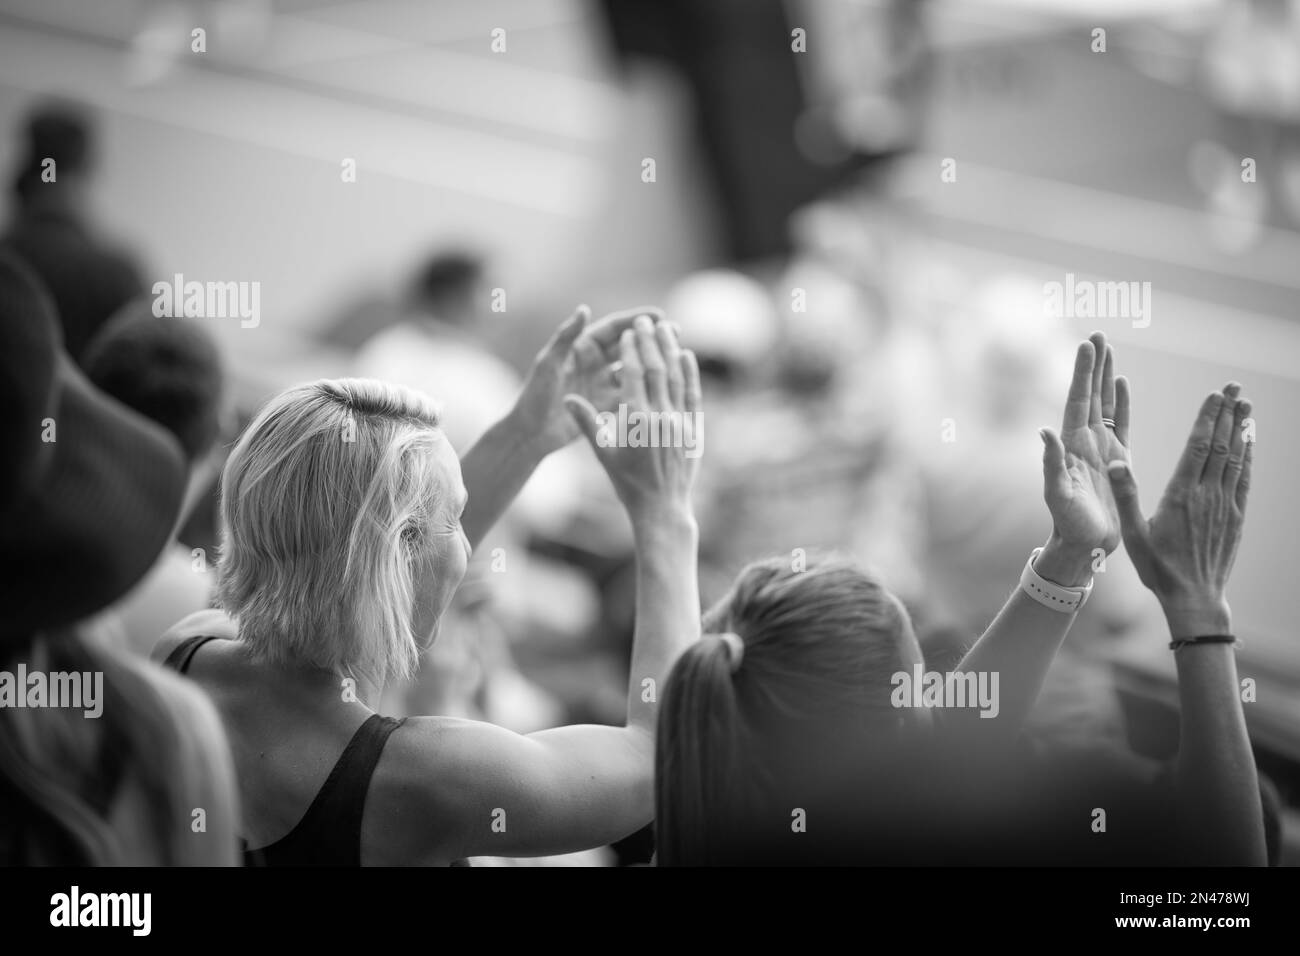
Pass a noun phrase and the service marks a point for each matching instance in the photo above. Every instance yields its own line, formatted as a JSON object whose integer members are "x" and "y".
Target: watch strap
{"x": 1058, "y": 598}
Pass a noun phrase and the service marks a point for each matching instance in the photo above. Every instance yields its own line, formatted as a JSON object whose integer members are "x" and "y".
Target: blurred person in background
{"x": 51, "y": 224}
{"x": 169, "y": 370}
{"x": 89, "y": 493}
{"x": 446, "y": 290}
{"x": 796, "y": 465}
{"x": 440, "y": 325}
{"x": 841, "y": 369}
{"x": 729, "y": 321}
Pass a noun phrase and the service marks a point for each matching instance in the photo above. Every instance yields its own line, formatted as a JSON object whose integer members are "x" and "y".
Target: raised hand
{"x": 659, "y": 383}
{"x": 1075, "y": 481}
{"x": 578, "y": 359}
{"x": 1186, "y": 551}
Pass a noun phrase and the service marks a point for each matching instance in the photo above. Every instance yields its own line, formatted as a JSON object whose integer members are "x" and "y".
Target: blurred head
{"x": 1005, "y": 354}
{"x": 167, "y": 369}
{"x": 61, "y": 132}
{"x": 449, "y": 287}
{"x": 727, "y": 319}
{"x": 812, "y": 688}
{"x": 342, "y": 543}
{"x": 837, "y": 324}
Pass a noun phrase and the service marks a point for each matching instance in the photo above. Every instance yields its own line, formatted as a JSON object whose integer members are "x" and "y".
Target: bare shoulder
{"x": 441, "y": 758}
{"x": 194, "y": 625}
{"x": 457, "y": 745}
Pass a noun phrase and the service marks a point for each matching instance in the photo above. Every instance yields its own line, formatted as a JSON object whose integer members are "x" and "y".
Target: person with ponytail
{"x": 792, "y": 673}
{"x": 783, "y": 735}
{"x": 125, "y": 764}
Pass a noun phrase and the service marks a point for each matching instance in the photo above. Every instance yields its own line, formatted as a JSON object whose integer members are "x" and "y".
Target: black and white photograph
{"x": 650, "y": 434}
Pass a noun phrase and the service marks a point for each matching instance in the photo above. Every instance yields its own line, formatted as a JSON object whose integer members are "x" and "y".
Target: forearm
{"x": 1218, "y": 786}
{"x": 494, "y": 470}
{"x": 1021, "y": 643}
{"x": 667, "y": 607}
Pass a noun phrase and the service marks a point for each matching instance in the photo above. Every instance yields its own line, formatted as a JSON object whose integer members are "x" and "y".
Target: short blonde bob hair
{"x": 325, "y": 504}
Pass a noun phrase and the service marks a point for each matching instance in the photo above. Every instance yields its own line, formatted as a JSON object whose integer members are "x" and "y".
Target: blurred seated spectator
{"x": 169, "y": 370}
{"x": 435, "y": 347}
{"x": 448, "y": 289}
{"x": 50, "y": 229}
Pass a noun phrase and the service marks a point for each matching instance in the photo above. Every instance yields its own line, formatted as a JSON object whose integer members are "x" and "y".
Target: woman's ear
{"x": 412, "y": 538}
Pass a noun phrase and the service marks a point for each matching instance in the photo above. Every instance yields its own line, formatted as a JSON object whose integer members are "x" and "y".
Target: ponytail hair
{"x": 812, "y": 689}
{"x": 700, "y": 742}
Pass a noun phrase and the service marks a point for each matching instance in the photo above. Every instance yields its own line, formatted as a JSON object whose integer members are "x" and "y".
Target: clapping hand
{"x": 581, "y": 358}
{"x": 1186, "y": 551}
{"x": 658, "y": 382}
{"x": 1094, "y": 433}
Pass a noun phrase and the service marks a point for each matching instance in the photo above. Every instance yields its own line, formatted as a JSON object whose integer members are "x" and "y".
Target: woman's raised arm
{"x": 1184, "y": 554}
{"x": 577, "y": 359}
{"x": 575, "y": 787}
{"x": 1023, "y": 639}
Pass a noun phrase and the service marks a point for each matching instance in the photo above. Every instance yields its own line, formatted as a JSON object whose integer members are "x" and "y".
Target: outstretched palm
{"x": 1076, "y": 485}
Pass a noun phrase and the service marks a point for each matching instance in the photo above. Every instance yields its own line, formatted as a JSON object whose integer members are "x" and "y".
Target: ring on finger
{"x": 1108, "y": 422}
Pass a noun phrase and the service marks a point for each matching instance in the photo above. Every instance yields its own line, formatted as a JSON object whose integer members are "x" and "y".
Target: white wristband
{"x": 1065, "y": 600}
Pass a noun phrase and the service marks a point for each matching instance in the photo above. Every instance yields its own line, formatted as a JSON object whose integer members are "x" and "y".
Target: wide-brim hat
{"x": 89, "y": 490}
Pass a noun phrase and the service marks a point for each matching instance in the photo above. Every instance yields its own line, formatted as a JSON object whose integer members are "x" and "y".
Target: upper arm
{"x": 555, "y": 791}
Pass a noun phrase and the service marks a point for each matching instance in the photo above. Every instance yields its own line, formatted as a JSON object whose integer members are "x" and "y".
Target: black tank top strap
{"x": 181, "y": 655}
{"x": 329, "y": 833}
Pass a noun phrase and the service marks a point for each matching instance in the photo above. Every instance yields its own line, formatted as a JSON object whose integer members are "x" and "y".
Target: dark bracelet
{"x": 1206, "y": 639}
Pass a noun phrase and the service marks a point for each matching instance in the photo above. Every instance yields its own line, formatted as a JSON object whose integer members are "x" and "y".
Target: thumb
{"x": 1055, "y": 477}
{"x": 584, "y": 414}
{"x": 1124, "y": 487}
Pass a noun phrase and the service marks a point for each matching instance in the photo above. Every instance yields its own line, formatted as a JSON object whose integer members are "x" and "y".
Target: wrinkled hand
{"x": 1075, "y": 482}
{"x": 1186, "y": 551}
{"x": 578, "y": 359}
{"x": 658, "y": 379}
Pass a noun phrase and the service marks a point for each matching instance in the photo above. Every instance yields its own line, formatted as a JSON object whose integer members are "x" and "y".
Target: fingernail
{"x": 1117, "y": 469}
